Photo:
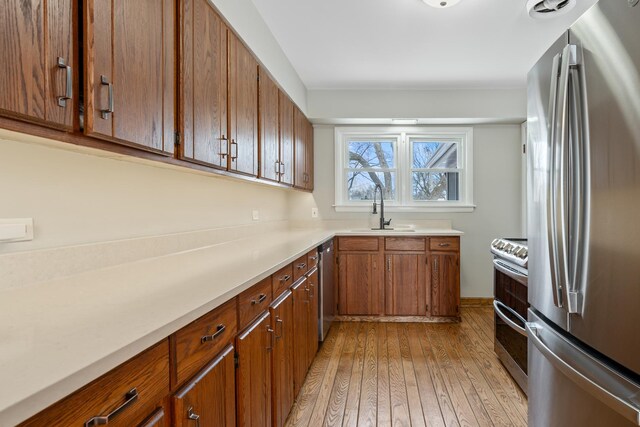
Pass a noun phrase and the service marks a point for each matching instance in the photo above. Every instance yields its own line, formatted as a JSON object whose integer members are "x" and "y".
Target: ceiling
{"x": 405, "y": 44}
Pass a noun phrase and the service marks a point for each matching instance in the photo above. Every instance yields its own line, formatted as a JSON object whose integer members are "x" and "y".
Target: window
{"x": 418, "y": 168}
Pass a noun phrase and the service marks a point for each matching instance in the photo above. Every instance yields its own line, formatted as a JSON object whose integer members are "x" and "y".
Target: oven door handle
{"x": 510, "y": 272}
{"x": 498, "y": 306}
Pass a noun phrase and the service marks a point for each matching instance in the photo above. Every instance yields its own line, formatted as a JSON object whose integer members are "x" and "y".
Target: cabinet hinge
{"x": 427, "y": 308}
{"x": 236, "y": 361}
{"x": 177, "y": 138}
{"x": 258, "y": 77}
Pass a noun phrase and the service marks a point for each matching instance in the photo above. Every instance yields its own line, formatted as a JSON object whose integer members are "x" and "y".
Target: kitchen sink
{"x": 395, "y": 230}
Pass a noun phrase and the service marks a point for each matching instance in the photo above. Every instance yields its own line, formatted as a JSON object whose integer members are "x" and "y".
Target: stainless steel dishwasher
{"x": 327, "y": 302}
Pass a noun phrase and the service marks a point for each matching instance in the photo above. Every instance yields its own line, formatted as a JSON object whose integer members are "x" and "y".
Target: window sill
{"x": 458, "y": 208}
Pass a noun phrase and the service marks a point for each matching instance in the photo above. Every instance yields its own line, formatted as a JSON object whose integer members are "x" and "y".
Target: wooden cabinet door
{"x": 299, "y": 149}
{"x": 129, "y": 52}
{"x": 406, "y": 284}
{"x": 253, "y": 375}
{"x": 360, "y": 283}
{"x": 38, "y": 71}
{"x": 312, "y": 322}
{"x": 243, "y": 108}
{"x": 300, "y": 330}
{"x": 282, "y": 375}
{"x": 270, "y": 166}
{"x": 208, "y": 400}
{"x": 308, "y": 151}
{"x": 203, "y": 85}
{"x": 445, "y": 283}
{"x": 286, "y": 138}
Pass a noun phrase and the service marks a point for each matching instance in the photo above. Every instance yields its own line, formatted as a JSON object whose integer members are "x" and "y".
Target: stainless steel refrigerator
{"x": 583, "y": 191}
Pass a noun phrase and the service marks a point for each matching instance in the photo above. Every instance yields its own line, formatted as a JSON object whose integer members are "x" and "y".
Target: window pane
{"x": 435, "y": 155}
{"x": 432, "y": 186}
{"x": 371, "y": 154}
{"x": 361, "y": 185}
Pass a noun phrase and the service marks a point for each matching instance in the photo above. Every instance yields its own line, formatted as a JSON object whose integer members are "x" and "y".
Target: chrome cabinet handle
{"x": 219, "y": 329}
{"x": 285, "y": 278}
{"x": 280, "y": 322}
{"x": 498, "y": 306}
{"x": 271, "y": 337}
{"x": 261, "y": 298}
{"x": 130, "y": 397}
{"x": 314, "y": 257}
{"x": 444, "y": 245}
{"x": 389, "y": 264}
{"x": 193, "y": 416}
{"x": 234, "y": 144}
{"x": 224, "y": 144}
{"x": 105, "y": 113}
{"x": 68, "y": 93}
{"x": 301, "y": 266}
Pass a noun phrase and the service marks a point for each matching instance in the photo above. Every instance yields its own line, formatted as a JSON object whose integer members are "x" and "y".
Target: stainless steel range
{"x": 510, "y": 261}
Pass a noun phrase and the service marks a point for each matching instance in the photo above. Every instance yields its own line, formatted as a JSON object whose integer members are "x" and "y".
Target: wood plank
{"x": 384, "y": 389}
{"x": 465, "y": 414}
{"x": 355, "y": 382}
{"x": 428, "y": 396}
{"x": 413, "y": 395}
{"x": 399, "y": 399}
{"x": 367, "y": 414}
{"x": 338, "y": 397}
{"x": 446, "y": 404}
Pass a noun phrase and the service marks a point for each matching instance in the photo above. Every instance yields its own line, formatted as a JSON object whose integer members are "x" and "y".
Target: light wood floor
{"x": 410, "y": 374}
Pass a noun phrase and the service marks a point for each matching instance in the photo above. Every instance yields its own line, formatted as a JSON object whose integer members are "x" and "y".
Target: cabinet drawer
{"x": 254, "y": 301}
{"x": 405, "y": 244}
{"x": 138, "y": 386}
{"x": 300, "y": 267}
{"x": 370, "y": 244}
{"x": 312, "y": 259}
{"x": 281, "y": 280}
{"x": 444, "y": 243}
{"x": 197, "y": 343}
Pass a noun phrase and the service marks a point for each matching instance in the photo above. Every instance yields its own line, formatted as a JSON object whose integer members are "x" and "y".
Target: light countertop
{"x": 59, "y": 335}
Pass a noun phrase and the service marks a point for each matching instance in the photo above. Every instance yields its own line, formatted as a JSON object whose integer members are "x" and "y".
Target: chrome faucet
{"x": 383, "y": 223}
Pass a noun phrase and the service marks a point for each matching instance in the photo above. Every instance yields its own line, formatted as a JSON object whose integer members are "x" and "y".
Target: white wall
{"x": 435, "y": 106}
{"x": 248, "y": 23}
{"x": 497, "y": 190}
{"x": 75, "y": 197}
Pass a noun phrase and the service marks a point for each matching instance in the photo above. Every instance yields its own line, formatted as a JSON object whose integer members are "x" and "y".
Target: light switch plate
{"x": 256, "y": 215}
{"x": 314, "y": 212}
{"x": 16, "y": 230}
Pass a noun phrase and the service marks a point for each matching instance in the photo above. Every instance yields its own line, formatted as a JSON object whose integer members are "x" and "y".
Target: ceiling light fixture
{"x": 404, "y": 121}
{"x": 441, "y": 4}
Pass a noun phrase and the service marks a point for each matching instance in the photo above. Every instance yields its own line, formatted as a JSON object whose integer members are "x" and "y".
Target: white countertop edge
{"x": 26, "y": 406}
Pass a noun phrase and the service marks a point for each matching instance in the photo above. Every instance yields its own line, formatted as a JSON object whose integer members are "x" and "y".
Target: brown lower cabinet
{"x": 198, "y": 377}
{"x": 125, "y": 396}
{"x": 253, "y": 374}
{"x": 282, "y": 321}
{"x": 208, "y": 400}
{"x": 399, "y": 276}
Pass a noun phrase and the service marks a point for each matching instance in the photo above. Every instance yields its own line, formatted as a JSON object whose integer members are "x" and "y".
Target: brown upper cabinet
{"x": 38, "y": 74}
{"x": 303, "y": 151}
{"x": 129, "y": 51}
{"x": 243, "y": 108}
{"x": 203, "y": 88}
{"x": 276, "y": 131}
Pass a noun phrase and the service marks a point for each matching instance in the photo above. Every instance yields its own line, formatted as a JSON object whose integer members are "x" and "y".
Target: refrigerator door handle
{"x": 604, "y": 384}
{"x": 551, "y": 196}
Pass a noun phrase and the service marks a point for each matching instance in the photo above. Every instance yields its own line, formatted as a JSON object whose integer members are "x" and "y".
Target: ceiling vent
{"x": 545, "y": 9}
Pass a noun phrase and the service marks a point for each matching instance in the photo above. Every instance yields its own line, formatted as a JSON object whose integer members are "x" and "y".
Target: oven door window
{"x": 514, "y": 295}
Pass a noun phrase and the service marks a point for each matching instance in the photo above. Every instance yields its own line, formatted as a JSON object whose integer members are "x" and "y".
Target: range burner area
{"x": 510, "y": 260}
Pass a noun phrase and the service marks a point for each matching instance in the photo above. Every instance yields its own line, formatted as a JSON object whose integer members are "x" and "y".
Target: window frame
{"x": 405, "y": 137}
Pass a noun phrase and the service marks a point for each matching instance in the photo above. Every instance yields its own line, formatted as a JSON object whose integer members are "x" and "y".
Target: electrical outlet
{"x": 256, "y": 215}
{"x": 314, "y": 212}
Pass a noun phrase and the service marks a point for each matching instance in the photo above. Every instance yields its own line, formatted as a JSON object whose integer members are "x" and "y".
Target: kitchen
{"x": 143, "y": 208}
